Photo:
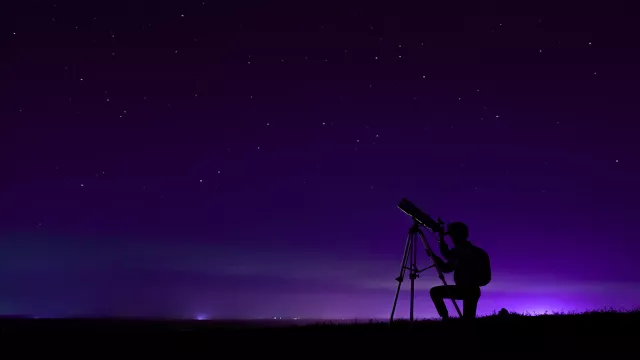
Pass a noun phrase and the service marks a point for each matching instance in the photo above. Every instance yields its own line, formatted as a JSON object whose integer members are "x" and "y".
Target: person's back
{"x": 471, "y": 265}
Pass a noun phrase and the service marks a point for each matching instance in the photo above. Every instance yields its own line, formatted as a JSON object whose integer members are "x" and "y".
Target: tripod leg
{"x": 455, "y": 303}
{"x": 399, "y": 279}
{"x": 413, "y": 273}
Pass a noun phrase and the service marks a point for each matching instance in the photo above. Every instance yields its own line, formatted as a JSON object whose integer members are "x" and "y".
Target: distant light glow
{"x": 202, "y": 317}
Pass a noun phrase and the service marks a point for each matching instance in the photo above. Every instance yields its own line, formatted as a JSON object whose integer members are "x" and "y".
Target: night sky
{"x": 193, "y": 158}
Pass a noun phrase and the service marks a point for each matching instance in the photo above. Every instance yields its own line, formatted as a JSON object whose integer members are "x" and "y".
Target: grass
{"x": 606, "y": 329}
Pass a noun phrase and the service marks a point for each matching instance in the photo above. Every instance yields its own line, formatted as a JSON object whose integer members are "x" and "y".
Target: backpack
{"x": 483, "y": 267}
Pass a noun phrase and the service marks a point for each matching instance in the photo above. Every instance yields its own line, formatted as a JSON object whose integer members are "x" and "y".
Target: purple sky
{"x": 246, "y": 161}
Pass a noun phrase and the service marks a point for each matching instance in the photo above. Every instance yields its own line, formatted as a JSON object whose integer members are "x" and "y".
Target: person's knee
{"x": 435, "y": 292}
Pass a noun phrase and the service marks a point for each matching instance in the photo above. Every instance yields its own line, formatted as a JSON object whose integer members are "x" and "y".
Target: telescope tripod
{"x": 409, "y": 263}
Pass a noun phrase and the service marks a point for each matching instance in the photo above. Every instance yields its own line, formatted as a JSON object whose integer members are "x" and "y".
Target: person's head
{"x": 458, "y": 231}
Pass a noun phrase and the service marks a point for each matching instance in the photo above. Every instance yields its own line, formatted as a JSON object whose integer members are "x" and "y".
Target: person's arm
{"x": 445, "y": 251}
{"x": 445, "y": 267}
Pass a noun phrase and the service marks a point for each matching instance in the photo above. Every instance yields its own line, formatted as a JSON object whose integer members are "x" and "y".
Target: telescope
{"x": 421, "y": 217}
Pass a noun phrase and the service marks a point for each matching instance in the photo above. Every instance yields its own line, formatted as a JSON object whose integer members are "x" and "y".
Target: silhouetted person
{"x": 471, "y": 270}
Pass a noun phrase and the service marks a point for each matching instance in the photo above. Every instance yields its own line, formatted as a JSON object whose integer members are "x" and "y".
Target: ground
{"x": 609, "y": 331}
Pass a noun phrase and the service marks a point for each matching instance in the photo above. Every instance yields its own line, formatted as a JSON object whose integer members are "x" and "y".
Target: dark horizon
{"x": 246, "y": 160}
